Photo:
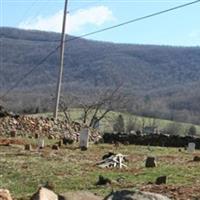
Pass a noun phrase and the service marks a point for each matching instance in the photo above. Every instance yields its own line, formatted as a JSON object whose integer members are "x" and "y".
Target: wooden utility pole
{"x": 62, "y": 50}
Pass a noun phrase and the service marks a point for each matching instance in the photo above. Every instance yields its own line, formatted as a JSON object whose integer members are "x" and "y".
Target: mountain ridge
{"x": 164, "y": 73}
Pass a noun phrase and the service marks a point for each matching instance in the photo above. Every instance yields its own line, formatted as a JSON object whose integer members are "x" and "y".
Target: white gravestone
{"x": 40, "y": 143}
{"x": 191, "y": 147}
{"x": 84, "y": 138}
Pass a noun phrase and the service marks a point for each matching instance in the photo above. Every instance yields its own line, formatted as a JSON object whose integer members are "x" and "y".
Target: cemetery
{"x": 45, "y": 159}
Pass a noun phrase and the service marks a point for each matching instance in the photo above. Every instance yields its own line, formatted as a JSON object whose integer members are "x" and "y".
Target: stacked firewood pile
{"x": 31, "y": 126}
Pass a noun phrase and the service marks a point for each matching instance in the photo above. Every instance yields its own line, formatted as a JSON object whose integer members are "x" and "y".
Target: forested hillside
{"x": 161, "y": 81}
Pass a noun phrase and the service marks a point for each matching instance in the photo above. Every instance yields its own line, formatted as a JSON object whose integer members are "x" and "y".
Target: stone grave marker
{"x": 191, "y": 147}
{"x": 84, "y": 138}
{"x": 150, "y": 162}
{"x": 40, "y": 143}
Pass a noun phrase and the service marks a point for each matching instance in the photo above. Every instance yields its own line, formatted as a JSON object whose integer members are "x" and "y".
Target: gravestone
{"x": 196, "y": 159}
{"x": 191, "y": 147}
{"x": 161, "y": 180}
{"x": 55, "y": 147}
{"x": 36, "y": 135}
{"x": 150, "y": 162}
{"x": 40, "y": 143}
{"x": 84, "y": 138}
{"x": 13, "y": 133}
{"x": 27, "y": 147}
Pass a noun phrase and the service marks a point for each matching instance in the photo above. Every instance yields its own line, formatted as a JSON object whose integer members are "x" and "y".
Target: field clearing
{"x": 106, "y": 125}
{"x": 70, "y": 169}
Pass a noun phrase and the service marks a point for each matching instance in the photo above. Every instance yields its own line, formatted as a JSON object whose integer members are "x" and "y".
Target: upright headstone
{"x": 84, "y": 138}
{"x": 40, "y": 143}
{"x": 191, "y": 147}
{"x": 150, "y": 162}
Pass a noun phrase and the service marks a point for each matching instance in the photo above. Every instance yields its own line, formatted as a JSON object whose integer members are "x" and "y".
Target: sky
{"x": 177, "y": 28}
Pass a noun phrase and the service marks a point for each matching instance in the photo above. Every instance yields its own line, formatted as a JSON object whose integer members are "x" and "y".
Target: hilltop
{"x": 162, "y": 80}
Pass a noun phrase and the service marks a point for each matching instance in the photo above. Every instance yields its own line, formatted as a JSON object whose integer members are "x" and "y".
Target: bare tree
{"x": 94, "y": 110}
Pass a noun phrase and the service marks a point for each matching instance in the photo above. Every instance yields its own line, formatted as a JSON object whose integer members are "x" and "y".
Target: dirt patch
{"x": 7, "y": 142}
{"x": 175, "y": 192}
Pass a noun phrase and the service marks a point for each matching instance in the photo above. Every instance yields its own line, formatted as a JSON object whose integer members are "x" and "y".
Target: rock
{"x": 150, "y": 162}
{"x": 36, "y": 135}
{"x": 13, "y": 133}
{"x": 60, "y": 143}
{"x": 84, "y": 148}
{"x": 44, "y": 194}
{"x": 79, "y": 196}
{"x": 196, "y": 159}
{"x": 55, "y": 147}
{"x": 67, "y": 141}
{"x": 134, "y": 195}
{"x": 103, "y": 181}
{"x": 50, "y": 137}
{"x": 27, "y": 147}
{"x": 161, "y": 180}
{"x": 5, "y": 195}
{"x": 108, "y": 155}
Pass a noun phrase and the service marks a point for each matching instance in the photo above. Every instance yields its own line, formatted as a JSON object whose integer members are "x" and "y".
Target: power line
{"x": 95, "y": 32}
{"x": 28, "y": 10}
{"x": 134, "y": 20}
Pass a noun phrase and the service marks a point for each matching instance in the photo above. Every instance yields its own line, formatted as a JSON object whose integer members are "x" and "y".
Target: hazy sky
{"x": 179, "y": 27}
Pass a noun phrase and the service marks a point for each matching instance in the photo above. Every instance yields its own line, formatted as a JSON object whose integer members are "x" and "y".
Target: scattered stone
{"x": 161, "y": 180}
{"x": 5, "y": 195}
{"x": 35, "y": 127}
{"x": 55, "y": 147}
{"x": 134, "y": 195}
{"x": 44, "y": 194}
{"x": 27, "y": 147}
{"x": 196, "y": 159}
{"x": 103, "y": 181}
{"x": 150, "y": 162}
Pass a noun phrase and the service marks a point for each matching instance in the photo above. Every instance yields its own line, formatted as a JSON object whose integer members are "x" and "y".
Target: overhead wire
{"x": 92, "y": 33}
{"x": 28, "y": 9}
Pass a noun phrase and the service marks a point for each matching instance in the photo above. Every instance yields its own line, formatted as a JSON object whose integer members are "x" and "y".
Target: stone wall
{"x": 153, "y": 140}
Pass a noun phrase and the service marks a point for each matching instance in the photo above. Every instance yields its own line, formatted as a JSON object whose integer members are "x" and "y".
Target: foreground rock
{"x": 5, "y": 195}
{"x": 135, "y": 195}
{"x": 47, "y": 194}
{"x": 79, "y": 196}
{"x": 44, "y": 194}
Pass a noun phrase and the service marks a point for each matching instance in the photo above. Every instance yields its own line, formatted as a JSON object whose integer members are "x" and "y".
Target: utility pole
{"x": 62, "y": 50}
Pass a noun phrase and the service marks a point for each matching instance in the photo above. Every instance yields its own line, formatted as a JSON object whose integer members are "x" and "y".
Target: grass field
{"x": 106, "y": 124}
{"x": 70, "y": 169}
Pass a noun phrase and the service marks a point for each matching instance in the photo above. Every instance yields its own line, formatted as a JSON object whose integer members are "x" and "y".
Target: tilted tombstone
{"x": 191, "y": 147}
{"x": 84, "y": 138}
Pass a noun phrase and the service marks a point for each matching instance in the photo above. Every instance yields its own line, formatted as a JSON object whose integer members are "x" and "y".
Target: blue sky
{"x": 179, "y": 27}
